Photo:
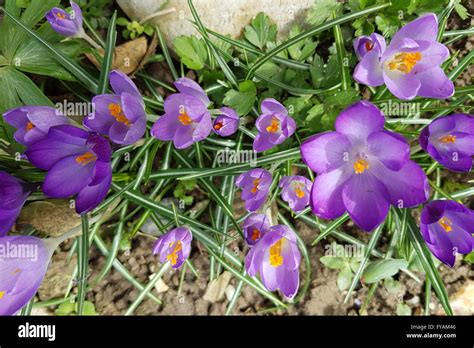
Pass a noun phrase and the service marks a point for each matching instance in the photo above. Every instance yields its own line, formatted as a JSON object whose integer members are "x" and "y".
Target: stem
{"x": 89, "y": 40}
{"x": 158, "y": 14}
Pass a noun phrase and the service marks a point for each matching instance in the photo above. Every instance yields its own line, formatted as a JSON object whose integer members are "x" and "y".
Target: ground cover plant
{"x": 357, "y": 125}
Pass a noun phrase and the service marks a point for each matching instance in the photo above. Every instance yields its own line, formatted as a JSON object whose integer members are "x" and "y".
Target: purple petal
{"x": 422, "y": 28}
{"x": 390, "y": 148}
{"x": 369, "y": 70}
{"x": 359, "y": 120}
{"x": 271, "y": 106}
{"x": 325, "y": 152}
{"x": 67, "y": 177}
{"x": 365, "y": 198}
{"x": 91, "y": 196}
{"x": 402, "y": 86}
{"x": 121, "y": 83}
{"x": 435, "y": 84}
{"x": 326, "y": 194}
{"x": 407, "y": 187}
{"x": 192, "y": 88}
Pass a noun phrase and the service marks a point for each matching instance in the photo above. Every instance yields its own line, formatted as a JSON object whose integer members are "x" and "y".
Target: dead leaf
{"x": 128, "y": 57}
{"x": 52, "y": 218}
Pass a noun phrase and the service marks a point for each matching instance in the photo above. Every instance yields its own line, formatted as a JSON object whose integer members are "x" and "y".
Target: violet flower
{"x": 255, "y": 226}
{"x": 447, "y": 228}
{"x": 13, "y": 195}
{"x": 226, "y": 123}
{"x": 255, "y": 185}
{"x": 365, "y": 44}
{"x": 296, "y": 191}
{"x": 174, "y": 246}
{"x": 64, "y": 23}
{"x": 276, "y": 258}
{"x": 23, "y": 263}
{"x": 274, "y": 125}
{"x": 33, "y": 122}
{"x": 186, "y": 119}
{"x": 362, "y": 169}
{"x": 78, "y": 163}
{"x": 450, "y": 141}
{"x": 121, "y": 116}
{"x": 410, "y": 66}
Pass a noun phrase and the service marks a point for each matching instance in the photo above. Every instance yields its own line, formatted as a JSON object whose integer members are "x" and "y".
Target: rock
{"x": 216, "y": 289}
{"x": 160, "y": 286}
{"x": 462, "y": 301}
{"x": 226, "y": 20}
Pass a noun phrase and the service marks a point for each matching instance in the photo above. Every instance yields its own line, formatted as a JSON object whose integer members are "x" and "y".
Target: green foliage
{"x": 134, "y": 29}
{"x": 181, "y": 190}
{"x": 381, "y": 269}
{"x": 191, "y": 50}
{"x": 469, "y": 258}
{"x": 261, "y": 31}
{"x": 303, "y": 49}
{"x": 243, "y": 99}
{"x": 322, "y": 11}
{"x": 70, "y": 308}
{"x": 97, "y": 12}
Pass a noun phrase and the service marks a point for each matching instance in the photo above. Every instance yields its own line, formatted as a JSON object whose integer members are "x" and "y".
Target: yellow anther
{"x": 404, "y": 62}
{"x": 446, "y": 224}
{"x": 360, "y": 166}
{"x": 86, "y": 158}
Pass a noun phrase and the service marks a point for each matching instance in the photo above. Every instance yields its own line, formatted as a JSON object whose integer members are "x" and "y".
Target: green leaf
{"x": 469, "y": 258}
{"x": 302, "y": 49}
{"x": 333, "y": 262}
{"x": 344, "y": 279}
{"x": 461, "y": 10}
{"x": 242, "y": 100}
{"x": 382, "y": 269}
{"x": 108, "y": 56}
{"x": 322, "y": 11}
{"x": 261, "y": 31}
{"x": 65, "y": 308}
{"x": 191, "y": 50}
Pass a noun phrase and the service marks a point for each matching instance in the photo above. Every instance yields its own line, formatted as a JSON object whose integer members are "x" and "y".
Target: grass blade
{"x": 108, "y": 56}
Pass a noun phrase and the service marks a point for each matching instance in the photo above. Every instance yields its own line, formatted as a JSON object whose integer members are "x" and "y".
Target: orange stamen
{"x": 448, "y": 139}
{"x": 274, "y": 125}
{"x": 404, "y": 62}
{"x": 29, "y": 126}
{"x": 369, "y": 46}
{"x": 446, "y": 224}
{"x": 173, "y": 257}
{"x": 276, "y": 259}
{"x": 184, "y": 119}
{"x": 255, "y": 185}
{"x": 60, "y": 15}
{"x": 255, "y": 234}
{"x": 116, "y": 111}
{"x": 86, "y": 158}
{"x": 360, "y": 166}
{"x": 218, "y": 125}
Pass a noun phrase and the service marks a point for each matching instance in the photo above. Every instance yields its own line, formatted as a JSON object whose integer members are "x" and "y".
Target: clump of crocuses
{"x": 274, "y": 125}
{"x": 186, "y": 119}
{"x": 255, "y": 185}
{"x": 120, "y": 116}
{"x": 276, "y": 258}
{"x": 450, "y": 141}
{"x": 448, "y": 228}
{"x": 174, "y": 246}
{"x": 410, "y": 65}
{"x": 362, "y": 169}
{"x": 13, "y": 195}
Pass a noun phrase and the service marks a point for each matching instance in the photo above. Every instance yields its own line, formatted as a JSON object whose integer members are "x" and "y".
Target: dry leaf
{"x": 216, "y": 289}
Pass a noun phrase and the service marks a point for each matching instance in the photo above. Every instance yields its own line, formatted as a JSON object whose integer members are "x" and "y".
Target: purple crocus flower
{"x": 24, "y": 261}
{"x": 410, "y": 66}
{"x": 78, "y": 163}
{"x": 186, "y": 119}
{"x": 226, "y": 123}
{"x": 276, "y": 258}
{"x": 122, "y": 115}
{"x": 296, "y": 191}
{"x": 33, "y": 122}
{"x": 64, "y": 23}
{"x": 448, "y": 228}
{"x": 174, "y": 246}
{"x": 13, "y": 195}
{"x": 255, "y": 184}
{"x": 274, "y": 125}
{"x": 255, "y": 226}
{"x": 362, "y": 169}
{"x": 450, "y": 141}
{"x": 364, "y": 44}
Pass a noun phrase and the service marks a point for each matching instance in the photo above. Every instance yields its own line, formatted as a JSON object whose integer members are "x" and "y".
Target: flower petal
{"x": 435, "y": 84}
{"x": 390, "y": 148}
{"x": 422, "y": 28}
{"x": 369, "y": 70}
